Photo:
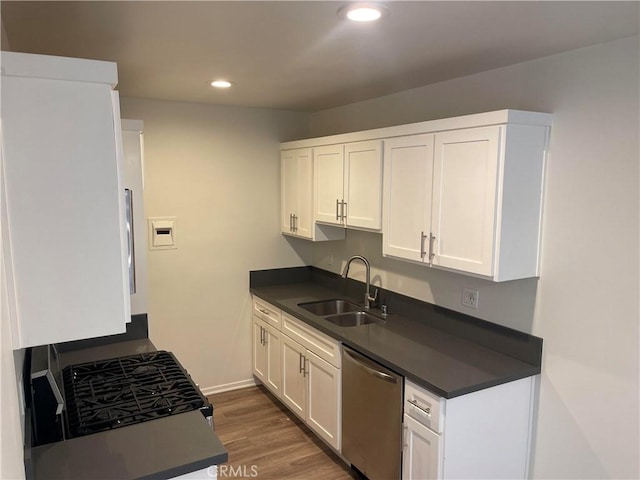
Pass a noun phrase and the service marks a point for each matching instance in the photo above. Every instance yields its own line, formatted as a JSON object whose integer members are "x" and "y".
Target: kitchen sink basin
{"x": 329, "y": 307}
{"x": 352, "y": 319}
{"x": 340, "y": 312}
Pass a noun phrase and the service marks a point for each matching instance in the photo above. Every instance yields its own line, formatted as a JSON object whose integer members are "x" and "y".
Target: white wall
{"x": 586, "y": 304}
{"x": 11, "y": 406}
{"x": 217, "y": 169}
{"x": 11, "y": 412}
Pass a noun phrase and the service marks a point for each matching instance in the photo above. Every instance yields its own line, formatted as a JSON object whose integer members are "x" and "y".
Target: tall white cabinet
{"x": 66, "y": 244}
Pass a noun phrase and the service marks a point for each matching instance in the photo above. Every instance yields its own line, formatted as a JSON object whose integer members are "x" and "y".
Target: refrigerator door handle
{"x": 128, "y": 197}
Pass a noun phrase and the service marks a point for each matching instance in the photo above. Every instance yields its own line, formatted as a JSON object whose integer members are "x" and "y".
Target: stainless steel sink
{"x": 341, "y": 313}
{"x": 329, "y": 307}
{"x": 352, "y": 319}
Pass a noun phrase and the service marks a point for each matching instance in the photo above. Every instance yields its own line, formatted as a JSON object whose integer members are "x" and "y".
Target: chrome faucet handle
{"x": 370, "y": 301}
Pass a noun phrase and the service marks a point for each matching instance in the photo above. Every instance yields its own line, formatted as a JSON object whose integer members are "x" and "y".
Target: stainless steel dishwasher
{"x": 371, "y": 416}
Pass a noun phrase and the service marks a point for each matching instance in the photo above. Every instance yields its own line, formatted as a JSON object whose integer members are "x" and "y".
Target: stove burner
{"x": 127, "y": 390}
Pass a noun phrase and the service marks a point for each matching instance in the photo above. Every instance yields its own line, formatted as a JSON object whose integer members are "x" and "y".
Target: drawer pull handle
{"x": 264, "y": 311}
{"x": 426, "y": 410}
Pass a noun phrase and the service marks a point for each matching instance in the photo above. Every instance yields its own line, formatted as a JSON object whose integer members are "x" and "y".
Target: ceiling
{"x": 300, "y": 55}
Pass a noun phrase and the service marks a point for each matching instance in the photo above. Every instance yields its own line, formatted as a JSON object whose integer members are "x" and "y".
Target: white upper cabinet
{"x": 65, "y": 243}
{"x": 462, "y": 194}
{"x": 348, "y": 184}
{"x": 329, "y": 184}
{"x": 296, "y": 197}
{"x": 465, "y": 184}
{"x": 408, "y": 167}
{"x": 363, "y": 184}
{"x": 467, "y": 200}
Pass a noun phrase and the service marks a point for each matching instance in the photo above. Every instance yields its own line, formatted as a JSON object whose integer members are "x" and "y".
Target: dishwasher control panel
{"x": 424, "y": 406}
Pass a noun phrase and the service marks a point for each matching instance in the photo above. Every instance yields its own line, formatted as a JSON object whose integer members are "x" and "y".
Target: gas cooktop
{"x": 122, "y": 391}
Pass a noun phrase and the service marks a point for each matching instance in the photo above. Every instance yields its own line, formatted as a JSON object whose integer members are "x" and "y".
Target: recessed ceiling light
{"x": 221, "y": 84}
{"x": 362, "y": 12}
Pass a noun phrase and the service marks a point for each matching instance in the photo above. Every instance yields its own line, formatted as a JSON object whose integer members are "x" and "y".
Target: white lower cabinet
{"x": 304, "y": 373}
{"x": 266, "y": 355}
{"x": 294, "y": 382}
{"x": 323, "y": 399}
{"x": 420, "y": 452}
{"x": 484, "y": 434}
{"x": 311, "y": 389}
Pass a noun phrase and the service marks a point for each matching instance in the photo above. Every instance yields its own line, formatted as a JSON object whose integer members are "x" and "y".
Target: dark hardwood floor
{"x": 266, "y": 441}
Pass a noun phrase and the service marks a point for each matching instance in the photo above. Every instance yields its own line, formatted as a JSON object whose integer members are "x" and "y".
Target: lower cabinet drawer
{"x": 320, "y": 344}
{"x": 267, "y": 312}
{"x": 423, "y": 406}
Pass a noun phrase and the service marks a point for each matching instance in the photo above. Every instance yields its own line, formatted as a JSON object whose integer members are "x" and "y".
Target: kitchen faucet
{"x": 367, "y": 295}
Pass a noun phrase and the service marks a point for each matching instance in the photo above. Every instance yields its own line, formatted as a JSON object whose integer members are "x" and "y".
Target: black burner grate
{"x": 127, "y": 390}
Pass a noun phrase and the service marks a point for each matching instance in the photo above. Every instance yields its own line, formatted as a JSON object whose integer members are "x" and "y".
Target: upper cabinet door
{"x": 303, "y": 220}
{"x": 289, "y": 190}
{"x": 464, "y": 199}
{"x": 296, "y": 195}
{"x": 363, "y": 184}
{"x": 408, "y": 176}
{"x": 328, "y": 184}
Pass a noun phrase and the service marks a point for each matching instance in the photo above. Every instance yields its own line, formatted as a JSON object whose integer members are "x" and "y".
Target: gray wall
{"x": 586, "y": 303}
{"x": 217, "y": 169}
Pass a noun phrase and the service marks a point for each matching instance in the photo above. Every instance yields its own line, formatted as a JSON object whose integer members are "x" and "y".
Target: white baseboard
{"x": 249, "y": 382}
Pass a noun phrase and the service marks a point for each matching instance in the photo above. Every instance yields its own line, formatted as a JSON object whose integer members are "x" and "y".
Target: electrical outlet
{"x": 470, "y": 298}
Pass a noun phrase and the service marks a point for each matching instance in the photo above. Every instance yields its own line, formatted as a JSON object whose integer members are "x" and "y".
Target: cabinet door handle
{"x": 432, "y": 253}
{"x": 300, "y": 365}
{"x": 305, "y": 372}
{"x": 343, "y": 211}
{"x": 295, "y": 223}
{"x": 291, "y": 222}
{"x": 422, "y": 239}
{"x": 337, "y": 209}
{"x": 405, "y": 443}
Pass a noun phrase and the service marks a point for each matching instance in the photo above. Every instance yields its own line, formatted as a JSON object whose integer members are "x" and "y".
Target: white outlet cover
{"x": 470, "y": 298}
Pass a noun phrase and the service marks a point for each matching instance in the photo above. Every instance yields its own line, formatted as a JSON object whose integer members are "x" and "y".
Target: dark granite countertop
{"x": 446, "y": 363}
{"x": 161, "y": 448}
{"x": 103, "y": 352}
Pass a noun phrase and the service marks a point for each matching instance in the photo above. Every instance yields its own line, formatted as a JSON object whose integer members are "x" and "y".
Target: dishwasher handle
{"x": 369, "y": 367}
